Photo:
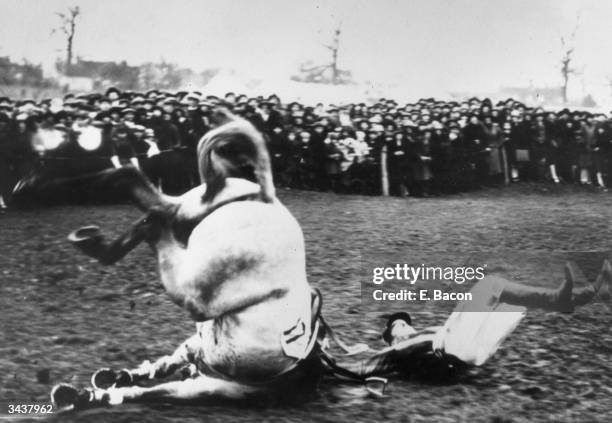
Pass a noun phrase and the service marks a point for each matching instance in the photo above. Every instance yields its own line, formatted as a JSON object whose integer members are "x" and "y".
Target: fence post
{"x": 383, "y": 171}
{"x": 504, "y": 158}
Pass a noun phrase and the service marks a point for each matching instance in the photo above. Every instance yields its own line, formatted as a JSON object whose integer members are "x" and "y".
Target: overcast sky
{"x": 425, "y": 46}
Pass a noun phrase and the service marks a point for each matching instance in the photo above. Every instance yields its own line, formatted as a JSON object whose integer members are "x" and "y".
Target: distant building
{"x": 88, "y": 75}
{"x": 12, "y": 73}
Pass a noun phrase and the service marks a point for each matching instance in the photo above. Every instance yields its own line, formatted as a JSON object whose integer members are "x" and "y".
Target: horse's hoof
{"x": 108, "y": 378}
{"x": 85, "y": 233}
{"x": 66, "y": 397}
{"x": 89, "y": 240}
{"x": 189, "y": 371}
{"x": 124, "y": 378}
{"x": 103, "y": 378}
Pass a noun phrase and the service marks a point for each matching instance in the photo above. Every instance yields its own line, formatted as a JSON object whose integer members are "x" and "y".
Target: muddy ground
{"x": 63, "y": 315}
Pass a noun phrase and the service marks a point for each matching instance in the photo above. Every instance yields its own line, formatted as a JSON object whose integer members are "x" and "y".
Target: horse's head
{"x": 234, "y": 149}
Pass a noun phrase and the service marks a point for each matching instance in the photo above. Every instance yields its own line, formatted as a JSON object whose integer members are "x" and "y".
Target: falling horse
{"x": 229, "y": 253}
{"x": 233, "y": 256}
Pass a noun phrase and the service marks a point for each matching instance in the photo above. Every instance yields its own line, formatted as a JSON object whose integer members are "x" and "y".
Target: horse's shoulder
{"x": 251, "y": 213}
{"x": 248, "y": 223}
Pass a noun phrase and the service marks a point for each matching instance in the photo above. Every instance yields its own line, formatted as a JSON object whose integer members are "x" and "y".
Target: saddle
{"x": 317, "y": 352}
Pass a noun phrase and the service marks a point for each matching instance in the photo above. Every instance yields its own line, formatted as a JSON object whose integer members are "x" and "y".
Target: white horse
{"x": 240, "y": 273}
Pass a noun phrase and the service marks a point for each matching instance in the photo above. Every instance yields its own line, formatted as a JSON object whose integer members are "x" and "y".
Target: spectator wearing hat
{"x": 493, "y": 141}
{"x": 587, "y": 141}
{"x": 520, "y": 143}
{"x": 477, "y": 151}
{"x": 602, "y": 153}
{"x": 399, "y": 157}
{"x": 566, "y": 147}
{"x": 307, "y": 164}
{"x": 175, "y": 176}
{"x": 271, "y": 119}
{"x": 280, "y": 149}
{"x": 7, "y": 159}
{"x": 318, "y": 140}
{"x": 122, "y": 146}
{"x": 332, "y": 161}
{"x": 112, "y": 94}
{"x": 230, "y": 98}
{"x": 421, "y": 164}
{"x": 292, "y": 172}
{"x": 461, "y": 171}
{"x": 441, "y": 161}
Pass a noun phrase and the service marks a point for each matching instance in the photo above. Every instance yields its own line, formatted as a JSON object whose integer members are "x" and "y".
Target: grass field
{"x": 63, "y": 315}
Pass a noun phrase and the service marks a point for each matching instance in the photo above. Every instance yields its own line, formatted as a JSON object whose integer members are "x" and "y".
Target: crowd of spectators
{"x": 425, "y": 148}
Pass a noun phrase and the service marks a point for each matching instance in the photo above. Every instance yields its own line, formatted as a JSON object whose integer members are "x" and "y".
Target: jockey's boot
{"x": 89, "y": 240}
{"x": 601, "y": 287}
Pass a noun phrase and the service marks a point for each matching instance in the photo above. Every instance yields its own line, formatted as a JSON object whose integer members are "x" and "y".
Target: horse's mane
{"x": 234, "y": 149}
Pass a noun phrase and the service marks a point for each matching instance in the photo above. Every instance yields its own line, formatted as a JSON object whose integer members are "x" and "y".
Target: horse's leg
{"x": 159, "y": 369}
{"x": 124, "y": 182}
{"x": 90, "y": 240}
{"x": 169, "y": 364}
{"x": 199, "y": 388}
{"x": 127, "y": 182}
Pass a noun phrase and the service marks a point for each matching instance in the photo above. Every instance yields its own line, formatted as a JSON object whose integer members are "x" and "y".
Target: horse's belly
{"x": 241, "y": 356}
{"x": 248, "y": 346}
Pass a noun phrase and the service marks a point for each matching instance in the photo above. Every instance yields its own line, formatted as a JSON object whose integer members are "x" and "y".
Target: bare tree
{"x": 67, "y": 26}
{"x": 566, "y": 61}
{"x": 327, "y": 73}
{"x": 334, "y": 47}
